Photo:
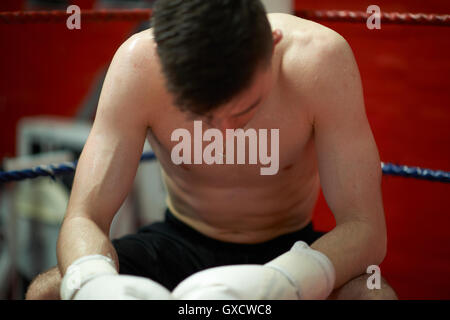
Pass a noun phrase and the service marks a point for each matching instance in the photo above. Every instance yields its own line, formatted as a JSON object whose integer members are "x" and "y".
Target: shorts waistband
{"x": 284, "y": 240}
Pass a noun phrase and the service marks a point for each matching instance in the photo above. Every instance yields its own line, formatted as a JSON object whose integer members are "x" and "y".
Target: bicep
{"x": 349, "y": 164}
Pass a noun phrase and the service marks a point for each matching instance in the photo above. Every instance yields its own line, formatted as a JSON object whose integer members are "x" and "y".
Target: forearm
{"x": 352, "y": 247}
{"x": 79, "y": 237}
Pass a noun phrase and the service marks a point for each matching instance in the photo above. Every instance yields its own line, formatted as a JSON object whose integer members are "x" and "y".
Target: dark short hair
{"x": 210, "y": 49}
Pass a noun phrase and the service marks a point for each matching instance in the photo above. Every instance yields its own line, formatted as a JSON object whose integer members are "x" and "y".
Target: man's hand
{"x": 301, "y": 273}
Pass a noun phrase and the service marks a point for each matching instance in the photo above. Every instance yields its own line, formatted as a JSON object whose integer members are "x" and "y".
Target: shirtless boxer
{"x": 224, "y": 63}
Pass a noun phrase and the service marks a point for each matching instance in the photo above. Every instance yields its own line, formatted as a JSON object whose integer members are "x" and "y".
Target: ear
{"x": 277, "y": 37}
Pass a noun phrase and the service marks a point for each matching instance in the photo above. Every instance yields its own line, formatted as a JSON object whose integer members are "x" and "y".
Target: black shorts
{"x": 170, "y": 251}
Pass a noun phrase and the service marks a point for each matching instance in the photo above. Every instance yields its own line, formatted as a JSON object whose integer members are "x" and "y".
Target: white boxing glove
{"x": 122, "y": 287}
{"x": 301, "y": 273}
{"x": 309, "y": 270}
{"x": 242, "y": 282}
{"x": 95, "y": 278}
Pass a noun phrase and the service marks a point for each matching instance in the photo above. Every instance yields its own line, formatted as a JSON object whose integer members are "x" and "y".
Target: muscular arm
{"x": 349, "y": 166}
{"x": 109, "y": 160}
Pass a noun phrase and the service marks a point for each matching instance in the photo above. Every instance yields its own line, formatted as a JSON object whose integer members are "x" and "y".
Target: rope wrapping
{"x": 386, "y": 17}
{"x": 70, "y": 167}
{"x": 415, "y": 172}
{"x": 56, "y": 16}
{"x": 41, "y": 171}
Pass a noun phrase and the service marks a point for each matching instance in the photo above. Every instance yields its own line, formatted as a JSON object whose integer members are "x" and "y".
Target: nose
{"x": 220, "y": 123}
{"x": 231, "y": 123}
{"x": 224, "y": 123}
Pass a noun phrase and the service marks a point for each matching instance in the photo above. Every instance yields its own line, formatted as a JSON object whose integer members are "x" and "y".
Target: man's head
{"x": 212, "y": 50}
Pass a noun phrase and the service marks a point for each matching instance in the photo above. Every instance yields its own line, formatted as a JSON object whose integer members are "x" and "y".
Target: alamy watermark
{"x": 374, "y": 281}
{"x": 74, "y": 20}
{"x": 374, "y": 20}
{"x": 235, "y": 147}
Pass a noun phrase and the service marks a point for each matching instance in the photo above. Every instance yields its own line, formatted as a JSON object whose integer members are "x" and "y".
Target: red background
{"x": 48, "y": 69}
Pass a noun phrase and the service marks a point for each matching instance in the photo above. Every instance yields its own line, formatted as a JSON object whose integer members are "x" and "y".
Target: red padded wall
{"x": 48, "y": 69}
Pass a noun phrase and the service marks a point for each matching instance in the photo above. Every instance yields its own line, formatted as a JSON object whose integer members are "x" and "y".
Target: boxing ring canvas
{"x": 405, "y": 72}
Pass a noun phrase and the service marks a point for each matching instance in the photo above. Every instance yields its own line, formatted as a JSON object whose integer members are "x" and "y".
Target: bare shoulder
{"x": 313, "y": 57}
{"x": 137, "y": 50}
{"x": 309, "y": 46}
{"x": 134, "y": 78}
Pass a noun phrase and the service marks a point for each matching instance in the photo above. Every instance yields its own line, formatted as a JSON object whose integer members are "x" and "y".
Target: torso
{"x": 234, "y": 203}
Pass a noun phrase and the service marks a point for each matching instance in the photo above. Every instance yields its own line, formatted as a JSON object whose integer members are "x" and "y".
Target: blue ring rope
{"x": 415, "y": 172}
{"x": 69, "y": 167}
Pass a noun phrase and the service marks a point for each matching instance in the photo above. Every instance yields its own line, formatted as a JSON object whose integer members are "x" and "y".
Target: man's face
{"x": 239, "y": 111}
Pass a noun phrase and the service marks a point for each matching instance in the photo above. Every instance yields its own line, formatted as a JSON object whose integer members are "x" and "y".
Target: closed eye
{"x": 253, "y": 106}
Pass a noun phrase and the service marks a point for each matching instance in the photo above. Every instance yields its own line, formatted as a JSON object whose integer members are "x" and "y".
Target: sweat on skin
{"x": 213, "y": 153}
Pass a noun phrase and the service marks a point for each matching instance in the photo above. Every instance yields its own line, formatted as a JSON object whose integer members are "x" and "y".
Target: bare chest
{"x": 276, "y": 140}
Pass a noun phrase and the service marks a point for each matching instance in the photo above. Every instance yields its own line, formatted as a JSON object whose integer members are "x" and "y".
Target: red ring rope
{"x": 145, "y": 14}
{"x": 386, "y": 17}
